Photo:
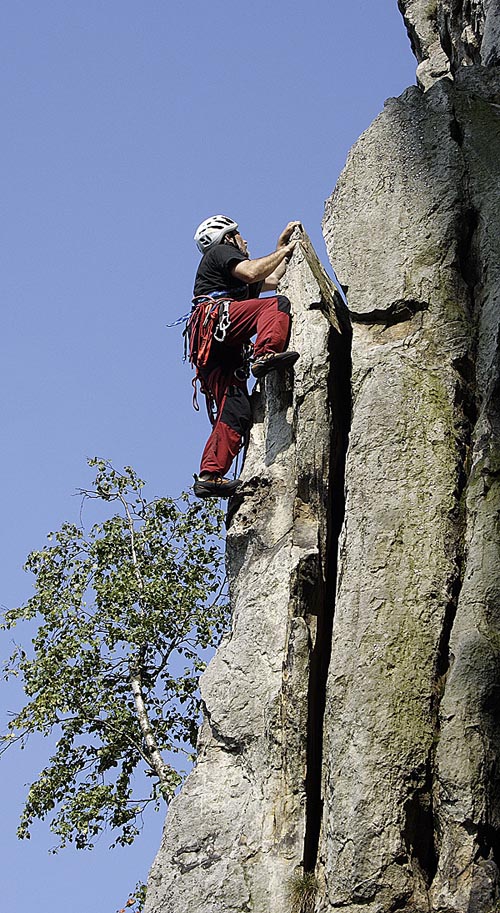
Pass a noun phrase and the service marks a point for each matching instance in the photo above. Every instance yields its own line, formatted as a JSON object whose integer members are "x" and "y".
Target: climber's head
{"x": 234, "y": 238}
{"x": 214, "y": 230}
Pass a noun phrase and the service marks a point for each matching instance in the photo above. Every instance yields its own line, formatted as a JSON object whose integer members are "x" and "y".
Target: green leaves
{"x": 125, "y": 612}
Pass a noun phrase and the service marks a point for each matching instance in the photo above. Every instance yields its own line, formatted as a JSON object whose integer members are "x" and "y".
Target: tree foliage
{"x": 136, "y": 900}
{"x": 123, "y": 613}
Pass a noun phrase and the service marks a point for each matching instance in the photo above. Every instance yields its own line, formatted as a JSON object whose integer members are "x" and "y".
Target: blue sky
{"x": 125, "y": 124}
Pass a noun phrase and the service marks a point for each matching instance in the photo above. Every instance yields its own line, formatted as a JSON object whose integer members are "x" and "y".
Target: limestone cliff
{"x": 412, "y": 787}
{"x": 235, "y": 835}
{"x": 352, "y": 722}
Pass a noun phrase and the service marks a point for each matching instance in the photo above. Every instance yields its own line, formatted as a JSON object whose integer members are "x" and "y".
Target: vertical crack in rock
{"x": 421, "y": 828}
{"x": 456, "y": 131}
{"x": 418, "y": 829}
{"x": 339, "y": 394}
{"x": 467, "y": 779}
{"x": 469, "y": 266}
{"x": 466, "y": 414}
{"x": 422, "y": 823}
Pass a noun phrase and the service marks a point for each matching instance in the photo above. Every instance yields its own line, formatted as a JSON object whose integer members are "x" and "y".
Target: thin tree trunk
{"x": 148, "y": 735}
{"x": 147, "y": 732}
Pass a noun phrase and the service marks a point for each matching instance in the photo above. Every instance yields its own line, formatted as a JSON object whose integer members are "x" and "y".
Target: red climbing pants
{"x": 269, "y": 318}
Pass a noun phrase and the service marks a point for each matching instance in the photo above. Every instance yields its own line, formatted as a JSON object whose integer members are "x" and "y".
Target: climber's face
{"x": 241, "y": 244}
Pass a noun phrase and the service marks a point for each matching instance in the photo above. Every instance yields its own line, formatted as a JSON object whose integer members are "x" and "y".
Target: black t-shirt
{"x": 214, "y": 274}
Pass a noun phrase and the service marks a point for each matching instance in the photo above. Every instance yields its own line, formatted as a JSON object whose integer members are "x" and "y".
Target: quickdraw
{"x": 243, "y": 373}
{"x": 224, "y": 321}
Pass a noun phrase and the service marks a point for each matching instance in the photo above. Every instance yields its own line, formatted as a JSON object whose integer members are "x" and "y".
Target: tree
{"x": 125, "y": 613}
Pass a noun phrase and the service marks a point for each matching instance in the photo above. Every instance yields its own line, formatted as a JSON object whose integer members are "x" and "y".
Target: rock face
{"x": 352, "y": 725}
{"x": 412, "y": 726}
{"x": 448, "y": 34}
{"x": 236, "y": 833}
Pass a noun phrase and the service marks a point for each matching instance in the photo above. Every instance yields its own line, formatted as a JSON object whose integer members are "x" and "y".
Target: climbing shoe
{"x": 215, "y": 488}
{"x": 273, "y": 361}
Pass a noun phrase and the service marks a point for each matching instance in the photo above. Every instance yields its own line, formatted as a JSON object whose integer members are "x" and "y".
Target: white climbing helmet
{"x": 212, "y": 230}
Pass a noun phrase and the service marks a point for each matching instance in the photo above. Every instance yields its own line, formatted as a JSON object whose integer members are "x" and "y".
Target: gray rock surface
{"x": 412, "y": 736}
{"x": 490, "y": 47}
{"x": 446, "y": 35}
{"x": 235, "y": 834}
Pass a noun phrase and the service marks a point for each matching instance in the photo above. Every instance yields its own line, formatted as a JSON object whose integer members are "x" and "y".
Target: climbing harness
{"x": 208, "y": 321}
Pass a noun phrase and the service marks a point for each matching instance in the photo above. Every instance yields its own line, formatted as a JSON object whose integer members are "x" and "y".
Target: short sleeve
{"x": 227, "y": 255}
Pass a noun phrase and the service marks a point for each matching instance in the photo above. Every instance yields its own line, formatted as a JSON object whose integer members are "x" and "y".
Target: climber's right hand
{"x": 284, "y": 237}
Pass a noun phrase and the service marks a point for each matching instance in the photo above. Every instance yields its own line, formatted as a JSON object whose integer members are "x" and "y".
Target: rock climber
{"x": 227, "y": 312}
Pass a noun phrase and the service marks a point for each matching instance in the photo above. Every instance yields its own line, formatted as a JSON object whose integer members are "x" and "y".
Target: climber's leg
{"x": 231, "y": 426}
{"x": 269, "y": 318}
{"x": 233, "y": 418}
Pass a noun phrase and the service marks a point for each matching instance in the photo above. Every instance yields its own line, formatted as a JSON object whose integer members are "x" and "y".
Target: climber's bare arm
{"x": 271, "y": 283}
{"x": 263, "y": 268}
{"x": 258, "y": 270}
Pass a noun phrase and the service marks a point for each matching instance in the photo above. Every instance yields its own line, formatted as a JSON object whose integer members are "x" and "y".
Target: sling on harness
{"x": 209, "y": 320}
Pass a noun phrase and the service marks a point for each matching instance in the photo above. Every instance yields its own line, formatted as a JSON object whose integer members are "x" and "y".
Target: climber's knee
{"x": 283, "y": 304}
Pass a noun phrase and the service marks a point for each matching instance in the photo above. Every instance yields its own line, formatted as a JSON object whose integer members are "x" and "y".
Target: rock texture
{"x": 448, "y": 34}
{"x": 236, "y": 833}
{"x": 412, "y": 734}
{"x": 352, "y": 723}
